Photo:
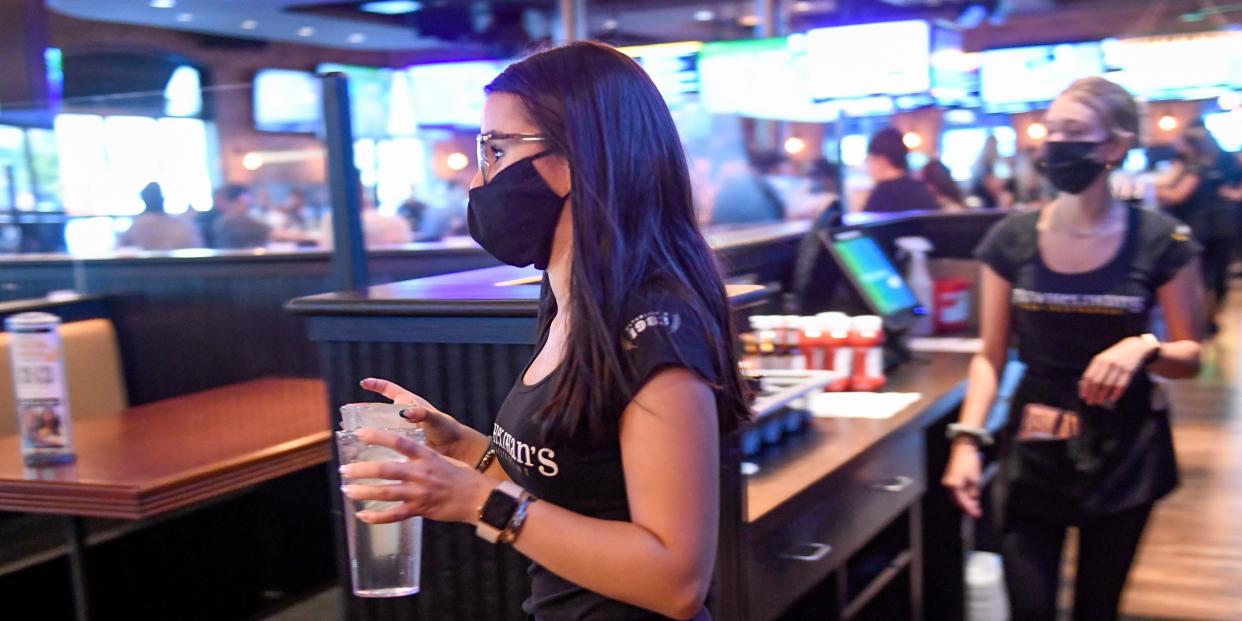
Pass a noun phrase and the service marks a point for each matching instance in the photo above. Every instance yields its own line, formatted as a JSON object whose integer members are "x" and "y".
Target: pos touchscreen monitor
{"x": 874, "y": 277}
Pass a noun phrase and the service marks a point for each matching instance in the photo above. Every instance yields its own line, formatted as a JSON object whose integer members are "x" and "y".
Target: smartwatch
{"x": 497, "y": 510}
{"x": 1155, "y": 352}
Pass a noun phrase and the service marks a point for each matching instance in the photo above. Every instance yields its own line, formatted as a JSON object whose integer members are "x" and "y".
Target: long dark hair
{"x": 937, "y": 176}
{"x": 634, "y": 220}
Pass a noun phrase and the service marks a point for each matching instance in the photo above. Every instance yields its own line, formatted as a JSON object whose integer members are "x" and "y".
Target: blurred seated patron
{"x": 377, "y": 229}
{"x": 942, "y": 185}
{"x": 291, "y": 220}
{"x": 894, "y": 189}
{"x": 155, "y": 229}
{"x": 747, "y": 196}
{"x": 234, "y": 227}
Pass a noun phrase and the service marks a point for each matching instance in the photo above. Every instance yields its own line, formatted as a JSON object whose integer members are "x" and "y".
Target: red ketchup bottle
{"x": 838, "y": 353}
{"x": 814, "y": 349}
{"x": 867, "y": 339}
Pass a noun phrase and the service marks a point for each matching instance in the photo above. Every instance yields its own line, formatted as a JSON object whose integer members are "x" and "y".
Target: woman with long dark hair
{"x": 1088, "y": 442}
{"x": 602, "y": 466}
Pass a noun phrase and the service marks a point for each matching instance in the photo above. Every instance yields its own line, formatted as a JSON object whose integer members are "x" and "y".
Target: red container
{"x": 952, "y": 307}
{"x": 867, "y": 339}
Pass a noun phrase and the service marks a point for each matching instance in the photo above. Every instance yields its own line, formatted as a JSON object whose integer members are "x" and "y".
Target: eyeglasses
{"x": 488, "y": 153}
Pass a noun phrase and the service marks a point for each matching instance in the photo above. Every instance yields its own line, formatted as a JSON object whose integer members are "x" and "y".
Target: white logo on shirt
{"x": 525, "y": 454}
{"x": 639, "y": 324}
{"x": 1078, "y": 303}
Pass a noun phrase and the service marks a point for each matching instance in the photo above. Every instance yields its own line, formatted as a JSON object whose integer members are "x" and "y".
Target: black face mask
{"x": 514, "y": 216}
{"x": 1070, "y": 166}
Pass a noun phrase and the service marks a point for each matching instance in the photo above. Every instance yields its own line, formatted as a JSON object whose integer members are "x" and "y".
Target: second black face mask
{"x": 1070, "y": 165}
{"x": 514, "y": 216}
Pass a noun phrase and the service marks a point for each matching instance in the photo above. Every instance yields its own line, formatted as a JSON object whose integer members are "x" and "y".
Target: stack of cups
{"x": 986, "y": 599}
{"x": 384, "y": 559}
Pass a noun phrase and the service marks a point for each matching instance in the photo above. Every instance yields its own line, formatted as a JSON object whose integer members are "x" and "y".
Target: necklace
{"x": 1111, "y": 225}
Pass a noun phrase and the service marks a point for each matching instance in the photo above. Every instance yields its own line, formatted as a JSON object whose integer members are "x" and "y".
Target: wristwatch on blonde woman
{"x": 497, "y": 510}
{"x": 1154, "y": 354}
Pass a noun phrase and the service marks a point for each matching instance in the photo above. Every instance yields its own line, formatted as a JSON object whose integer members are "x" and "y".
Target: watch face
{"x": 498, "y": 510}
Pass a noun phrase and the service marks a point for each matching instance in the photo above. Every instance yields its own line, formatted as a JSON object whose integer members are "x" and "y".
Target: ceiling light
{"x": 611, "y": 24}
{"x": 391, "y": 7}
{"x": 704, "y": 15}
{"x": 457, "y": 161}
{"x": 357, "y": 37}
{"x": 794, "y": 145}
{"x": 1036, "y": 131}
{"x": 802, "y": 7}
{"x": 252, "y": 161}
{"x": 249, "y": 24}
{"x": 748, "y": 20}
{"x": 162, "y": 4}
{"x": 1167, "y": 123}
{"x": 912, "y": 140}
{"x": 184, "y": 17}
{"x": 306, "y": 31}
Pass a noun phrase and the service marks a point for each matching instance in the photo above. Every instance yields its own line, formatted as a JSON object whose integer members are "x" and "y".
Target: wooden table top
{"x": 170, "y": 454}
{"x": 832, "y": 442}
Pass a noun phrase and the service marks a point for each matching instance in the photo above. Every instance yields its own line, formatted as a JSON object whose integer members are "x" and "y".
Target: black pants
{"x": 1032, "y": 555}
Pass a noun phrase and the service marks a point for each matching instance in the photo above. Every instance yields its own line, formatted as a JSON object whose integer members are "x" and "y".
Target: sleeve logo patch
{"x": 1182, "y": 233}
{"x": 639, "y": 324}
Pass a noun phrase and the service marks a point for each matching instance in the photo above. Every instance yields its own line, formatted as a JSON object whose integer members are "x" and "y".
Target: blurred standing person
{"x": 1232, "y": 194}
{"x": 234, "y": 227}
{"x": 1193, "y": 196}
{"x": 942, "y": 185}
{"x": 748, "y": 196}
{"x": 986, "y": 185}
{"x": 155, "y": 229}
{"x": 888, "y": 167}
{"x": 1088, "y": 442}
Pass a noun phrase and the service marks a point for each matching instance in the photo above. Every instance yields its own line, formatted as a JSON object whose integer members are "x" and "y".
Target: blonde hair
{"x": 1114, "y": 104}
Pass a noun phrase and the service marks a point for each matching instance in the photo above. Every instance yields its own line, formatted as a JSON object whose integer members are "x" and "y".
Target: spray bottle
{"x": 920, "y": 281}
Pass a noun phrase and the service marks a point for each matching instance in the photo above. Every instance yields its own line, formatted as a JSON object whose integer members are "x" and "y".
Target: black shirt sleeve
{"x": 661, "y": 330}
{"x": 1173, "y": 247}
{"x": 1000, "y": 248}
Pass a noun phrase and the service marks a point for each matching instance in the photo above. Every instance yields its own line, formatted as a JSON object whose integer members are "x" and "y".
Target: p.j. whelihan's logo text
{"x": 523, "y": 454}
{"x": 637, "y": 325}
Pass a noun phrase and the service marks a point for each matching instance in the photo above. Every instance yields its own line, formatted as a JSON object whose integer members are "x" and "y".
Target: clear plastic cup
{"x": 384, "y": 559}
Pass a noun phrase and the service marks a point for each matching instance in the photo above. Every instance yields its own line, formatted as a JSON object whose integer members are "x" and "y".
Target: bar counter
{"x": 792, "y": 532}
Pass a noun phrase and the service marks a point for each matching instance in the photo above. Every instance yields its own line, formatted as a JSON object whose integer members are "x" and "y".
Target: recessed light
{"x": 185, "y": 17}
{"x": 748, "y": 20}
{"x": 249, "y": 24}
{"x": 610, "y": 24}
{"x": 162, "y": 4}
{"x": 704, "y": 15}
{"x": 306, "y": 31}
{"x": 357, "y": 37}
{"x": 802, "y": 7}
{"x": 391, "y": 7}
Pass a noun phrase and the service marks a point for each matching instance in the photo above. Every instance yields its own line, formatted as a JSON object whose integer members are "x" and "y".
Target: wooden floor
{"x": 1190, "y": 562}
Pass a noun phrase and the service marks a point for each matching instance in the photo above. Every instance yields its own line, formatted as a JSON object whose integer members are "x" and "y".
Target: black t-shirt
{"x": 901, "y": 194}
{"x": 1124, "y": 456}
{"x": 585, "y": 475}
{"x": 1204, "y": 210}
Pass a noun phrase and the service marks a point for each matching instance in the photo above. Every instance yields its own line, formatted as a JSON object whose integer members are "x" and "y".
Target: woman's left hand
{"x": 1109, "y": 374}
{"x": 428, "y": 484}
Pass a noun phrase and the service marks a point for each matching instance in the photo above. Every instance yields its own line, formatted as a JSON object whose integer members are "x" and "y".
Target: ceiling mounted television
{"x": 287, "y": 101}
{"x": 1022, "y": 78}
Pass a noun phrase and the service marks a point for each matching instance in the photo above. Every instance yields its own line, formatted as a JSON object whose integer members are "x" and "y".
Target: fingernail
{"x": 404, "y": 414}
{"x": 347, "y": 488}
{"x": 362, "y": 383}
{"x": 343, "y": 470}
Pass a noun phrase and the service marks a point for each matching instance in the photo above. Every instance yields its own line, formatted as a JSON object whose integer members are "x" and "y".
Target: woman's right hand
{"x": 443, "y": 433}
{"x": 962, "y": 475}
